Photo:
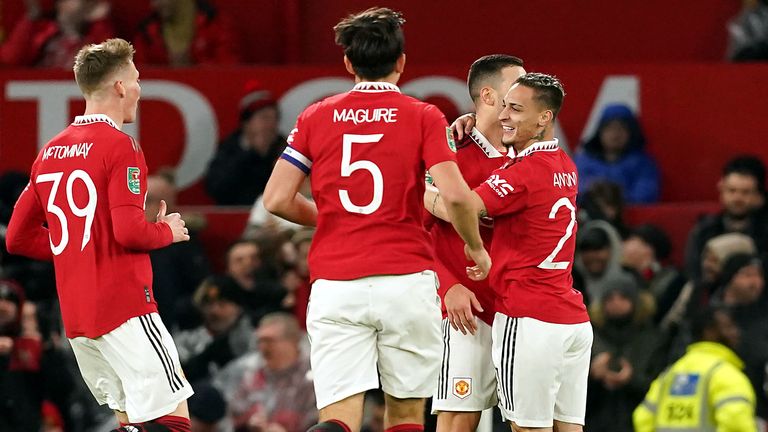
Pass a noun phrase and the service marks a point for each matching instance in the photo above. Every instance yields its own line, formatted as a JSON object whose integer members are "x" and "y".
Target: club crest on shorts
{"x": 134, "y": 180}
{"x": 462, "y": 387}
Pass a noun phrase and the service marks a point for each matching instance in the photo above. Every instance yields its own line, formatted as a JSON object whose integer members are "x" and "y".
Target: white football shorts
{"x": 134, "y": 368}
{"x": 541, "y": 369}
{"x": 378, "y": 327}
{"x": 467, "y": 380}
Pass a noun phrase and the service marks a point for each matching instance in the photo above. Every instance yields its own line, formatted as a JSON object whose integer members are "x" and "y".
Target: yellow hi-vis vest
{"x": 703, "y": 391}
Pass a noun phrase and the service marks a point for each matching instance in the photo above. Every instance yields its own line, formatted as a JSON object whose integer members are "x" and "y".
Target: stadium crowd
{"x": 240, "y": 332}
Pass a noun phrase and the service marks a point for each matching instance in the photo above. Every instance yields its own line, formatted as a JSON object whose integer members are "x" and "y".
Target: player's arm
{"x": 460, "y": 207}
{"x": 435, "y": 205}
{"x": 26, "y": 233}
{"x": 282, "y": 197}
{"x": 126, "y": 190}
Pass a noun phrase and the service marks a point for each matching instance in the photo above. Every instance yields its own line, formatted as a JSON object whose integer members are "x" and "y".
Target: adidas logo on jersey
{"x": 499, "y": 185}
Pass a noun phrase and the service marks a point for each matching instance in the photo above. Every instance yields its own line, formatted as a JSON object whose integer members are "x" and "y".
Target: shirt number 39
{"x": 86, "y": 212}
{"x": 348, "y": 167}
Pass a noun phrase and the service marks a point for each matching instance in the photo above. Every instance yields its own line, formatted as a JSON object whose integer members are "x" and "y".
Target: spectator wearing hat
{"x": 598, "y": 258}
{"x": 616, "y": 152}
{"x": 243, "y": 162}
{"x": 185, "y": 33}
{"x": 644, "y": 251}
{"x": 279, "y": 395}
{"x": 624, "y": 359}
{"x": 742, "y": 290}
{"x": 207, "y": 408}
{"x": 224, "y": 335}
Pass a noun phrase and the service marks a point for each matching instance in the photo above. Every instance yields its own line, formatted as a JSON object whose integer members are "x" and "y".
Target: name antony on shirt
{"x": 387, "y": 115}
{"x": 63, "y": 152}
{"x": 563, "y": 179}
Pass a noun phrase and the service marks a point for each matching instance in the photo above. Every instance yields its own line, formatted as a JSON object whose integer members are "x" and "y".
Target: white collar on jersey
{"x": 94, "y": 118}
{"x": 375, "y": 87}
{"x": 486, "y": 145}
{"x": 547, "y": 146}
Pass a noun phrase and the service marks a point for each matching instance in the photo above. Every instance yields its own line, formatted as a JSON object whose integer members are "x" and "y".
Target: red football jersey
{"x": 366, "y": 151}
{"x": 477, "y": 159}
{"x": 532, "y": 199}
{"x": 81, "y": 180}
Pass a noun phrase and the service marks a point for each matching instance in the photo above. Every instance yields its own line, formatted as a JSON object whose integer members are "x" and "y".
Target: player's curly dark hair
{"x": 372, "y": 40}
{"x": 547, "y": 88}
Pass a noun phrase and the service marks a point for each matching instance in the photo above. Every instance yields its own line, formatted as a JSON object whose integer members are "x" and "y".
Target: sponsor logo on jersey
{"x": 134, "y": 180}
{"x": 462, "y": 387}
{"x": 449, "y": 138}
{"x": 499, "y": 185}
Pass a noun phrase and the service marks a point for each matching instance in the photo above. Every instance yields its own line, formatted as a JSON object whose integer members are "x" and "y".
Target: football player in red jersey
{"x": 373, "y": 312}
{"x": 541, "y": 333}
{"x": 84, "y": 209}
{"x": 467, "y": 382}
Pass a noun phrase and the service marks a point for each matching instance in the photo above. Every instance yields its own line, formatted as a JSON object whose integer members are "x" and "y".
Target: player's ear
{"x": 119, "y": 88}
{"x": 546, "y": 117}
{"x": 487, "y": 96}
{"x": 348, "y": 65}
{"x": 400, "y": 64}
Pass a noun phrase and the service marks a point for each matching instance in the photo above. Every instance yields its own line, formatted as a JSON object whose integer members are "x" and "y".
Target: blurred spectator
{"x": 178, "y": 269}
{"x": 280, "y": 395}
{"x": 617, "y": 153}
{"x": 296, "y": 279}
{"x": 239, "y": 170}
{"x": 260, "y": 293}
{"x": 743, "y": 291}
{"x": 206, "y": 408}
{"x": 603, "y": 200}
{"x": 705, "y": 390}
{"x": 645, "y": 250}
{"x": 11, "y": 185}
{"x": 224, "y": 335}
{"x": 749, "y": 34}
{"x": 598, "y": 258}
{"x": 624, "y": 356}
{"x": 43, "y": 40}
{"x": 31, "y": 368}
{"x": 184, "y": 33}
{"x": 741, "y": 187}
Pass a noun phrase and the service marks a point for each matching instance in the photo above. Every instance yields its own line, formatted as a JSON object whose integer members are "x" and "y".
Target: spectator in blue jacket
{"x": 616, "y": 153}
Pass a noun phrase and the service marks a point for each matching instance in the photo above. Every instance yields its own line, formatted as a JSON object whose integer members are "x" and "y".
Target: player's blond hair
{"x": 94, "y": 63}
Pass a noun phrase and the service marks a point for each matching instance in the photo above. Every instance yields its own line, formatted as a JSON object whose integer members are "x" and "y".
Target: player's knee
{"x": 329, "y": 426}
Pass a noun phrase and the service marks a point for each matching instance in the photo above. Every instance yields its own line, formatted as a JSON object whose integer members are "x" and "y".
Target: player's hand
{"x": 482, "y": 263}
{"x": 459, "y": 301}
{"x": 463, "y": 125}
{"x": 174, "y": 220}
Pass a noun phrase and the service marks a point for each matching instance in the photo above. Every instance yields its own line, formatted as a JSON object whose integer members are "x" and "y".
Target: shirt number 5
{"x": 348, "y": 167}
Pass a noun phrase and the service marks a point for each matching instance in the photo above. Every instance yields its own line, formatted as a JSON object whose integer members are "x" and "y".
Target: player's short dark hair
{"x": 373, "y": 40}
{"x": 548, "y": 90}
{"x": 95, "y": 62}
{"x": 749, "y": 165}
{"x": 706, "y": 319}
{"x": 486, "y": 68}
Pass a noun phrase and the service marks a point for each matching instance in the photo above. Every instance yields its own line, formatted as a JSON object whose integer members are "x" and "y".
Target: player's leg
{"x": 571, "y": 400}
{"x": 467, "y": 383}
{"x": 101, "y": 379}
{"x": 342, "y": 350}
{"x": 142, "y": 353}
{"x": 409, "y": 345}
{"x": 528, "y": 355}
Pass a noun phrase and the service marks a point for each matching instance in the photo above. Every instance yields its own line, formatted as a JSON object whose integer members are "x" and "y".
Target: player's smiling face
{"x": 521, "y": 116}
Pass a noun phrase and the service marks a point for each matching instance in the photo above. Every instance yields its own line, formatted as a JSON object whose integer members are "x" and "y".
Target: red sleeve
{"x": 127, "y": 190}
{"x": 503, "y": 193}
{"x": 132, "y": 230}
{"x": 26, "y": 234}
{"x": 298, "y": 152}
{"x": 437, "y": 138}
